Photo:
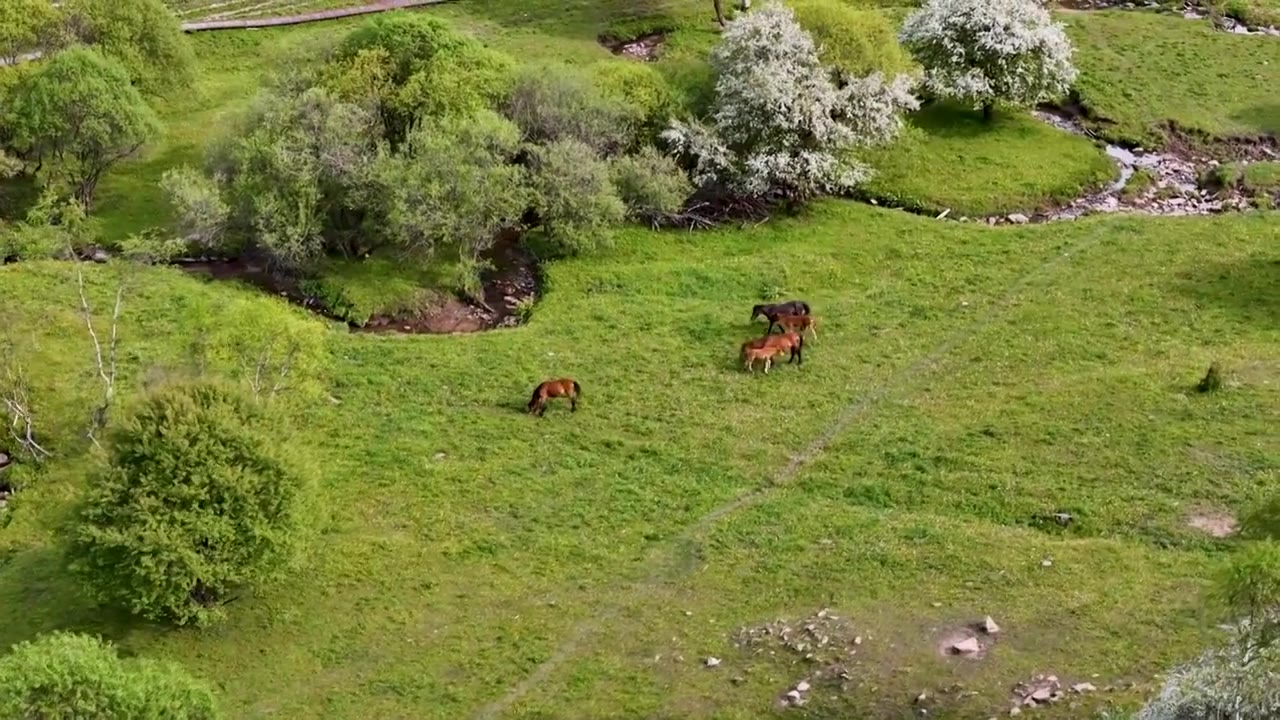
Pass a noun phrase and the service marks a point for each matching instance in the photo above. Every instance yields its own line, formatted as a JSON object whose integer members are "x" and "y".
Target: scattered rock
{"x": 712, "y": 662}
{"x": 5, "y": 460}
{"x": 99, "y": 255}
{"x": 802, "y": 686}
{"x": 922, "y": 697}
{"x": 793, "y": 695}
{"x": 438, "y": 456}
{"x": 1042, "y": 689}
{"x": 1019, "y": 218}
{"x": 968, "y": 646}
{"x": 989, "y": 626}
{"x": 1046, "y": 563}
{"x": 1083, "y": 687}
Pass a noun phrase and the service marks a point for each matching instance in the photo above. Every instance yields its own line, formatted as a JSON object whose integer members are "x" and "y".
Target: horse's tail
{"x": 577, "y": 389}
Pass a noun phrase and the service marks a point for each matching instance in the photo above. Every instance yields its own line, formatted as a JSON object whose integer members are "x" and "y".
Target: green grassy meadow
{"x": 967, "y": 381}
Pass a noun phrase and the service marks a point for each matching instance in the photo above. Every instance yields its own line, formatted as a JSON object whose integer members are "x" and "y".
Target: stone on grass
{"x": 802, "y": 686}
{"x": 1083, "y": 687}
{"x": 989, "y": 626}
{"x": 1019, "y": 218}
{"x": 968, "y": 646}
{"x": 712, "y": 662}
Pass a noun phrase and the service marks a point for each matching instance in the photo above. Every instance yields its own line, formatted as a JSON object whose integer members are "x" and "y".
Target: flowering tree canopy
{"x": 781, "y": 124}
{"x": 984, "y": 51}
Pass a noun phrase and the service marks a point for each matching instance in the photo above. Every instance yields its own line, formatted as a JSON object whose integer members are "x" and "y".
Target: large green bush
{"x": 197, "y": 499}
{"x": 555, "y": 103}
{"x": 454, "y": 187}
{"x": 411, "y": 66}
{"x": 576, "y": 203}
{"x": 65, "y": 676}
{"x": 650, "y": 184}
{"x": 855, "y": 42}
{"x": 642, "y": 89}
{"x": 142, "y": 35}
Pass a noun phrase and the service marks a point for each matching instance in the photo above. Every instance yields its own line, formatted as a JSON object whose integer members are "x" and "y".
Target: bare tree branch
{"x": 107, "y": 368}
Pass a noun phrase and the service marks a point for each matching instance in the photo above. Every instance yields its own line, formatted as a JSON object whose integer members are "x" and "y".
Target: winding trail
{"x": 664, "y": 563}
{"x": 319, "y": 15}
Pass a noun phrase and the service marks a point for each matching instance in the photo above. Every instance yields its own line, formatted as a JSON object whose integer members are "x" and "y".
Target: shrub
{"x": 53, "y": 226}
{"x": 780, "y": 125}
{"x": 1238, "y": 680}
{"x": 650, "y": 184}
{"x": 410, "y": 65}
{"x": 195, "y": 500}
{"x": 640, "y": 87}
{"x": 1251, "y": 588}
{"x": 551, "y": 104}
{"x": 985, "y": 51}
{"x": 454, "y": 186}
{"x": 198, "y": 205}
{"x": 856, "y": 43}
{"x": 65, "y": 675}
{"x": 576, "y": 204}
{"x": 78, "y": 115}
{"x": 1263, "y": 523}
{"x": 143, "y": 35}
{"x": 464, "y": 82}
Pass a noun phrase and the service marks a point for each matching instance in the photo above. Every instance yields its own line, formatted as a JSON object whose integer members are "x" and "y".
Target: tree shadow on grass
{"x": 44, "y": 597}
{"x": 1249, "y": 287}
{"x": 950, "y": 120}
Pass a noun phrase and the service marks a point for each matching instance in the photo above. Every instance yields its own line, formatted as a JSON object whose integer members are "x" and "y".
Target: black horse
{"x": 773, "y": 312}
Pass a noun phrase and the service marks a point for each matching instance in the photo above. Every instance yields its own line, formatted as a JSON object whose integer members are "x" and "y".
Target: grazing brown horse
{"x": 798, "y": 324}
{"x": 564, "y": 387}
{"x": 772, "y": 312}
{"x": 770, "y": 346}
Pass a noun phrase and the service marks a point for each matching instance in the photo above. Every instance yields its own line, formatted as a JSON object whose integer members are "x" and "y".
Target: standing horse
{"x": 773, "y": 312}
{"x": 770, "y": 346}
{"x": 799, "y": 324}
{"x": 564, "y": 387}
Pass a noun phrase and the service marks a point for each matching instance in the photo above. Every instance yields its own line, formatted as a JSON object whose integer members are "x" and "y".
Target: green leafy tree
{"x": 143, "y": 35}
{"x": 25, "y": 26}
{"x": 77, "y": 115}
{"x": 455, "y": 188}
{"x": 66, "y": 676}
{"x": 650, "y": 184}
{"x": 576, "y": 204}
{"x": 409, "y": 66}
{"x": 856, "y": 43}
{"x": 195, "y": 501}
{"x": 300, "y": 176}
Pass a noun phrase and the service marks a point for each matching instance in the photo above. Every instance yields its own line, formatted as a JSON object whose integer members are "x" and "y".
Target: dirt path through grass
{"x": 667, "y": 561}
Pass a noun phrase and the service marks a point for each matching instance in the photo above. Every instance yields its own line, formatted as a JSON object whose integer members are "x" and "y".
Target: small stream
{"x": 1173, "y": 187}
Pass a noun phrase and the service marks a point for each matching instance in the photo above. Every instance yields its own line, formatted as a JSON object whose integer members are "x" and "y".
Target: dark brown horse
{"x": 773, "y": 312}
{"x": 770, "y": 346}
{"x": 564, "y": 387}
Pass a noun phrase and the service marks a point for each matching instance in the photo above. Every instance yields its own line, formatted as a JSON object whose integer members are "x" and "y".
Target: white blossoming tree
{"x": 986, "y": 51}
{"x": 781, "y": 125}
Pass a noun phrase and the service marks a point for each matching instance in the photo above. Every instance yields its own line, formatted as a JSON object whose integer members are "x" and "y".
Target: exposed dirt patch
{"x": 511, "y": 283}
{"x": 1219, "y": 524}
{"x": 645, "y": 47}
{"x": 1188, "y": 10}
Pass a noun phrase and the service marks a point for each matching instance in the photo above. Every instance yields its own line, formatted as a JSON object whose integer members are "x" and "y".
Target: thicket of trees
{"x": 68, "y": 118}
{"x": 409, "y": 137}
